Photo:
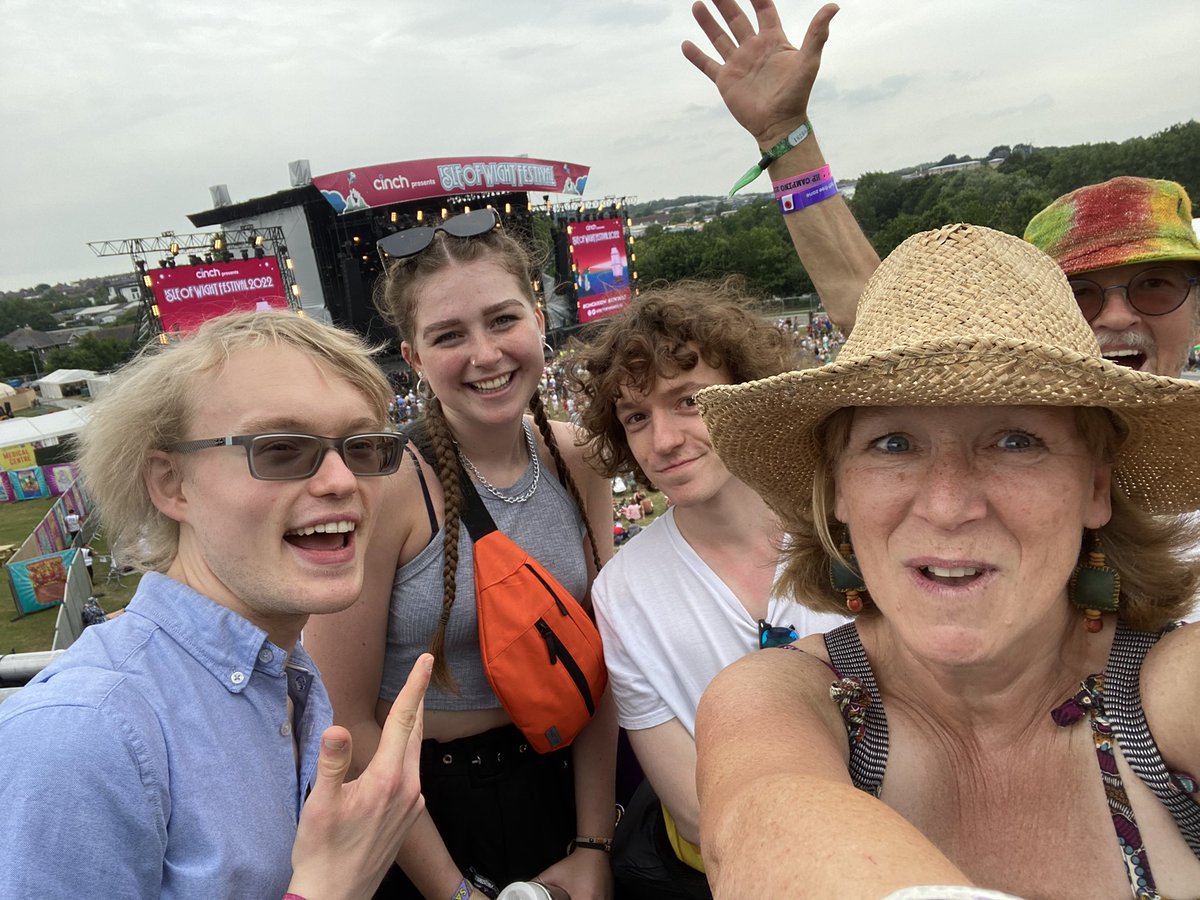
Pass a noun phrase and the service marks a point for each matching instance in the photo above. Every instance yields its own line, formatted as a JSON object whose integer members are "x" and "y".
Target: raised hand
{"x": 349, "y": 833}
{"x": 764, "y": 81}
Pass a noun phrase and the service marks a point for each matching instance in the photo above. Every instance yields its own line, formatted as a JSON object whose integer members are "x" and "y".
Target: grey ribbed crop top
{"x": 548, "y": 526}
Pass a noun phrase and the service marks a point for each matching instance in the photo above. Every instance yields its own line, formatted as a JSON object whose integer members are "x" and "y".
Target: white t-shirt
{"x": 670, "y": 625}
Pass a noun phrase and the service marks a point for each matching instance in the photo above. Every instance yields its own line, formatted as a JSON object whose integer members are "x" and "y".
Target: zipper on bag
{"x": 559, "y": 653}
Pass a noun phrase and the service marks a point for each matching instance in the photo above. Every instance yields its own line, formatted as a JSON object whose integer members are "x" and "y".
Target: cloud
{"x": 118, "y": 116}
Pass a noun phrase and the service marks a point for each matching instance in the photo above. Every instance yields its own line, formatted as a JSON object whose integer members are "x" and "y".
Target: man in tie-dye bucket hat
{"x": 1108, "y": 235}
{"x": 1128, "y": 248}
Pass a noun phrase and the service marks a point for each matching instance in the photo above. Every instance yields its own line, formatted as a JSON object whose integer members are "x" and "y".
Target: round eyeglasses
{"x": 284, "y": 456}
{"x": 1152, "y": 292}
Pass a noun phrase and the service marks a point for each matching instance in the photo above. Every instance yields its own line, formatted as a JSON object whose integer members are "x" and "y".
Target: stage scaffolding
{"x": 163, "y": 251}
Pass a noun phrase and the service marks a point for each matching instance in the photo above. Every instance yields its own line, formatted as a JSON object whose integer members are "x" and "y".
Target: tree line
{"x": 36, "y": 309}
{"x": 754, "y": 243}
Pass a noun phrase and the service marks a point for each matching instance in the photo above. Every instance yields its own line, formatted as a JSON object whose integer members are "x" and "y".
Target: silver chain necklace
{"x": 491, "y": 488}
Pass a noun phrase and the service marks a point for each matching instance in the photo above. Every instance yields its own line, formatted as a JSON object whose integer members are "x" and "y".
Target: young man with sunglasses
{"x": 694, "y": 590}
{"x": 1127, "y": 245}
{"x": 241, "y": 469}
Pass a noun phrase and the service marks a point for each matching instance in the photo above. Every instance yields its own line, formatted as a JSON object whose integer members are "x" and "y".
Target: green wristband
{"x": 769, "y": 156}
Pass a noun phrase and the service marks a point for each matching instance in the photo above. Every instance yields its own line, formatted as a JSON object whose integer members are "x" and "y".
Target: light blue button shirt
{"x": 155, "y": 758}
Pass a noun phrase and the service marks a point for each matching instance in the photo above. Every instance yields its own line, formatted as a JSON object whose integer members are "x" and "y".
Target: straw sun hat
{"x": 961, "y": 316}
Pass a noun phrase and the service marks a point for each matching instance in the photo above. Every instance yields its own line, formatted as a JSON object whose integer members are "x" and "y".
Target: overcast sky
{"x": 117, "y": 115}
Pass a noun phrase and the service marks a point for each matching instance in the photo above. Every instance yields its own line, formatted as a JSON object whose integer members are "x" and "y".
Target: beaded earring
{"x": 846, "y": 578}
{"x": 1095, "y": 587}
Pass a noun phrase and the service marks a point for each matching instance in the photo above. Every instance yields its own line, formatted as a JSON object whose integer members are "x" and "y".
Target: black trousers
{"x": 644, "y": 865}
{"x": 504, "y": 811}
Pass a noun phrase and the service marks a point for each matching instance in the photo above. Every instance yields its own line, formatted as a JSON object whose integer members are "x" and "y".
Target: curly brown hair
{"x": 664, "y": 331}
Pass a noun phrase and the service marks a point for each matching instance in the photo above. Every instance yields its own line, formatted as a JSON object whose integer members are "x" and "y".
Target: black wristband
{"x": 604, "y": 845}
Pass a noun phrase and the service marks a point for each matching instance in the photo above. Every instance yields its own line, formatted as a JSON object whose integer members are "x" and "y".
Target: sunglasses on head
{"x": 412, "y": 241}
{"x": 284, "y": 456}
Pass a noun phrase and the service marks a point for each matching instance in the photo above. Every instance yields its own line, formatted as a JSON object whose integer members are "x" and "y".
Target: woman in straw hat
{"x": 988, "y": 496}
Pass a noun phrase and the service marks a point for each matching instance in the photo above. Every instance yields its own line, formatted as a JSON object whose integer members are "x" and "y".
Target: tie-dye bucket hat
{"x": 1121, "y": 221}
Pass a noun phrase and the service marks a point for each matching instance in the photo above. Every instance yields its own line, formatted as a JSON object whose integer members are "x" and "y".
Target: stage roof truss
{"x": 242, "y": 236}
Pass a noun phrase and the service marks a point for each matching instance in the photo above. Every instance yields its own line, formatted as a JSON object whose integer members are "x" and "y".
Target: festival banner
{"x": 28, "y": 484}
{"x": 60, "y": 477}
{"x": 39, "y": 583}
{"x": 51, "y": 534}
{"x": 36, "y": 482}
{"x": 370, "y": 186}
{"x": 601, "y": 268}
{"x": 18, "y": 456}
{"x": 188, "y": 295}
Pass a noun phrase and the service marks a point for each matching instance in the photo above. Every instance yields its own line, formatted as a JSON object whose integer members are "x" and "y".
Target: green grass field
{"x": 36, "y": 631}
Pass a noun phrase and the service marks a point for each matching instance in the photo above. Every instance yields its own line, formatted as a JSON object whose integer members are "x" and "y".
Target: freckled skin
{"x": 1008, "y": 490}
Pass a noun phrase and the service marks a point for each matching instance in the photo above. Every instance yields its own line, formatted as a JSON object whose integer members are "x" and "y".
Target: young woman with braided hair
{"x": 459, "y": 295}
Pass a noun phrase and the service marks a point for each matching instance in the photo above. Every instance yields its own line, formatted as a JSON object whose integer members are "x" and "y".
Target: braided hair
{"x": 395, "y": 296}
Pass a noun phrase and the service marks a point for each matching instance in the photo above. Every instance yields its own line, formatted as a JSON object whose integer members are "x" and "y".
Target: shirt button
{"x": 237, "y": 677}
{"x": 285, "y": 729}
{"x": 265, "y": 655}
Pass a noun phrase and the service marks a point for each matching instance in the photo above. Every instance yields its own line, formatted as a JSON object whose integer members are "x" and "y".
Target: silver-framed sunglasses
{"x": 294, "y": 456}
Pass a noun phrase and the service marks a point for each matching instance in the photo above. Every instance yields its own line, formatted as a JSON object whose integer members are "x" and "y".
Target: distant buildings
{"x": 949, "y": 168}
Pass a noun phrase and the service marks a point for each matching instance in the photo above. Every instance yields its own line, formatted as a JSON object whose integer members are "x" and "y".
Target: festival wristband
{"x": 794, "y": 183}
{"x": 463, "y": 892}
{"x": 807, "y": 196}
{"x": 769, "y": 156}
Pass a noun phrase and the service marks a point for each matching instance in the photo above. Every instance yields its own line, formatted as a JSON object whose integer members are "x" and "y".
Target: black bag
{"x": 644, "y": 865}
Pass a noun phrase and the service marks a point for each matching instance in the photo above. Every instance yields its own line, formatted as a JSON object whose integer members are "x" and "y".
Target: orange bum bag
{"x": 541, "y": 651}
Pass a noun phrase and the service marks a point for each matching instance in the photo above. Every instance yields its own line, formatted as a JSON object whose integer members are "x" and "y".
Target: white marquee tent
{"x": 51, "y": 385}
{"x": 41, "y": 428}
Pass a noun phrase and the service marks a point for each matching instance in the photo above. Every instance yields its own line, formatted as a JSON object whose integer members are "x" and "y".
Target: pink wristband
{"x": 794, "y": 183}
{"x": 290, "y": 896}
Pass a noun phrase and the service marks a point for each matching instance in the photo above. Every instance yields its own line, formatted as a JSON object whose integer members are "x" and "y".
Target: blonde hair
{"x": 1159, "y": 580}
{"x": 150, "y": 407}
